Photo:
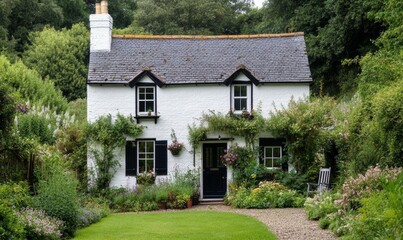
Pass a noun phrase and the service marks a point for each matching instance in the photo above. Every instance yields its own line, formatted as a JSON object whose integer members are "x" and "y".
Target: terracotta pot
{"x": 189, "y": 203}
{"x": 162, "y": 205}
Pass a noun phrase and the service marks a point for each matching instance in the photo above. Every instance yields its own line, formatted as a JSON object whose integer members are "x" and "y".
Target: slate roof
{"x": 273, "y": 58}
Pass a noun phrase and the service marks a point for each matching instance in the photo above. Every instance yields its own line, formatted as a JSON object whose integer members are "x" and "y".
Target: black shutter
{"x": 131, "y": 158}
{"x": 161, "y": 157}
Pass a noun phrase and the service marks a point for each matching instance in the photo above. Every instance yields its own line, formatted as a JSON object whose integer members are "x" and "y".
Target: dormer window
{"x": 146, "y": 100}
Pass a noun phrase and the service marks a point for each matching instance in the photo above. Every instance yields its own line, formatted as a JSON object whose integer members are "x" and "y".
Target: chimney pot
{"x": 104, "y": 7}
{"x": 98, "y": 8}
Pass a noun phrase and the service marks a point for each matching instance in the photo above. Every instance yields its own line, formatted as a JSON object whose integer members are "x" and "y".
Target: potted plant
{"x": 175, "y": 147}
{"x": 161, "y": 196}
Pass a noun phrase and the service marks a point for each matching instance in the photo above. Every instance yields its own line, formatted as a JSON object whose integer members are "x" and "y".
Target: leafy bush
{"x": 381, "y": 213}
{"x": 11, "y": 228}
{"x": 39, "y": 226}
{"x": 362, "y": 186}
{"x": 267, "y": 195}
{"x": 15, "y": 195}
{"x": 57, "y": 194}
{"x": 93, "y": 210}
{"x": 321, "y": 205}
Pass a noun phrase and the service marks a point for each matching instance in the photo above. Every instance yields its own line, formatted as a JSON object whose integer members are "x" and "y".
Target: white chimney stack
{"x": 101, "y": 24}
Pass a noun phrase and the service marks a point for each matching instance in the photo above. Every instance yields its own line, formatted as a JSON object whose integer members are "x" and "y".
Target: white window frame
{"x": 271, "y": 158}
{"x": 145, "y": 158}
{"x": 247, "y": 97}
{"x": 145, "y": 100}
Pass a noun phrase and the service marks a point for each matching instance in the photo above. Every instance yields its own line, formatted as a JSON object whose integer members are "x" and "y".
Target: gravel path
{"x": 286, "y": 223}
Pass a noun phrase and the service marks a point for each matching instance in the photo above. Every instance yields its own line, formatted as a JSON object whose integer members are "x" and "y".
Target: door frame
{"x": 202, "y": 167}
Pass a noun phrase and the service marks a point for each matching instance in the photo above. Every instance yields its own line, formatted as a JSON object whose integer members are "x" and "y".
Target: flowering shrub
{"x": 146, "y": 178}
{"x": 358, "y": 188}
{"x": 266, "y": 195}
{"x": 38, "y": 225}
{"x": 175, "y": 147}
{"x": 321, "y": 205}
{"x": 230, "y": 156}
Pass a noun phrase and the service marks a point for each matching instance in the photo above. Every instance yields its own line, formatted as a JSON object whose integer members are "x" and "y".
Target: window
{"x": 146, "y": 100}
{"x": 272, "y": 156}
{"x": 240, "y": 97}
{"x": 145, "y": 156}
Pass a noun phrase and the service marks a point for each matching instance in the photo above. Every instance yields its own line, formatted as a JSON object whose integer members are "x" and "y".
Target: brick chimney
{"x": 101, "y": 24}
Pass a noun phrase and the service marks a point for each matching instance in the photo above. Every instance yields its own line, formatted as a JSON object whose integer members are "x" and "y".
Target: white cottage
{"x": 167, "y": 82}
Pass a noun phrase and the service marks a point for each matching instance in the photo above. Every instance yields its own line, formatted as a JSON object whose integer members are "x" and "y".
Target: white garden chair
{"x": 323, "y": 182}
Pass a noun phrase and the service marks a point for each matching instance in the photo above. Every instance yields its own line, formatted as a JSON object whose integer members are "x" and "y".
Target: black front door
{"x": 214, "y": 171}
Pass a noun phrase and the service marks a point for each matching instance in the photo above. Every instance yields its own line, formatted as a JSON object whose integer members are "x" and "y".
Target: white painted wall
{"x": 178, "y": 107}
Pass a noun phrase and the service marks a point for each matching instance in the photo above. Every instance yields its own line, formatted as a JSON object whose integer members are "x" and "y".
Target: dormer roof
{"x": 264, "y": 58}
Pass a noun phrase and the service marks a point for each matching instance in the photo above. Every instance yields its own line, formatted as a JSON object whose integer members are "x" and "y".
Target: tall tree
{"x": 188, "y": 17}
{"x": 63, "y": 57}
{"x": 335, "y": 30}
{"x": 19, "y": 17}
{"x": 74, "y": 11}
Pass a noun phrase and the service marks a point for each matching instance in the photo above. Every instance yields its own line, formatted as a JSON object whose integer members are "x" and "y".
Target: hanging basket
{"x": 175, "y": 151}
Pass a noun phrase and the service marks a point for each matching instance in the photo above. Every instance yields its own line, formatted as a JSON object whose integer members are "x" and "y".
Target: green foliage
{"x": 188, "y": 17}
{"x": 381, "y": 213}
{"x": 26, "y": 85}
{"x": 11, "y": 228}
{"x": 92, "y": 211}
{"x": 196, "y": 134}
{"x": 57, "y": 194}
{"x": 74, "y": 11}
{"x": 303, "y": 126}
{"x": 321, "y": 205}
{"x": 7, "y": 111}
{"x": 20, "y": 17}
{"x": 266, "y": 195}
{"x": 292, "y": 180}
{"x": 41, "y": 123}
{"x": 71, "y": 142}
{"x": 15, "y": 195}
{"x": 248, "y": 125}
{"x": 61, "y": 56}
{"x": 109, "y": 134}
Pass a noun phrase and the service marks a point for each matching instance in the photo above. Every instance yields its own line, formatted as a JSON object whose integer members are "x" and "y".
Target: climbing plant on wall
{"x": 109, "y": 134}
{"x": 247, "y": 125}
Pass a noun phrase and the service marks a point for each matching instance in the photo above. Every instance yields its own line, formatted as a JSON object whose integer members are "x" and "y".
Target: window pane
{"x": 268, "y": 162}
{"x": 142, "y": 146}
{"x": 150, "y": 165}
{"x": 243, "y": 91}
{"x": 142, "y": 155}
{"x": 237, "y": 91}
{"x": 142, "y": 106}
{"x": 243, "y": 104}
{"x": 142, "y": 96}
{"x": 276, "y": 152}
{"x": 149, "y": 106}
{"x": 142, "y": 166}
{"x": 237, "y": 104}
{"x": 150, "y": 90}
{"x": 277, "y": 162}
{"x": 150, "y": 147}
{"x": 150, "y": 96}
{"x": 150, "y": 156}
{"x": 268, "y": 152}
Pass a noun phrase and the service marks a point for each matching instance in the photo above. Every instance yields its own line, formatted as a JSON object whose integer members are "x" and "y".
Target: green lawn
{"x": 176, "y": 225}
